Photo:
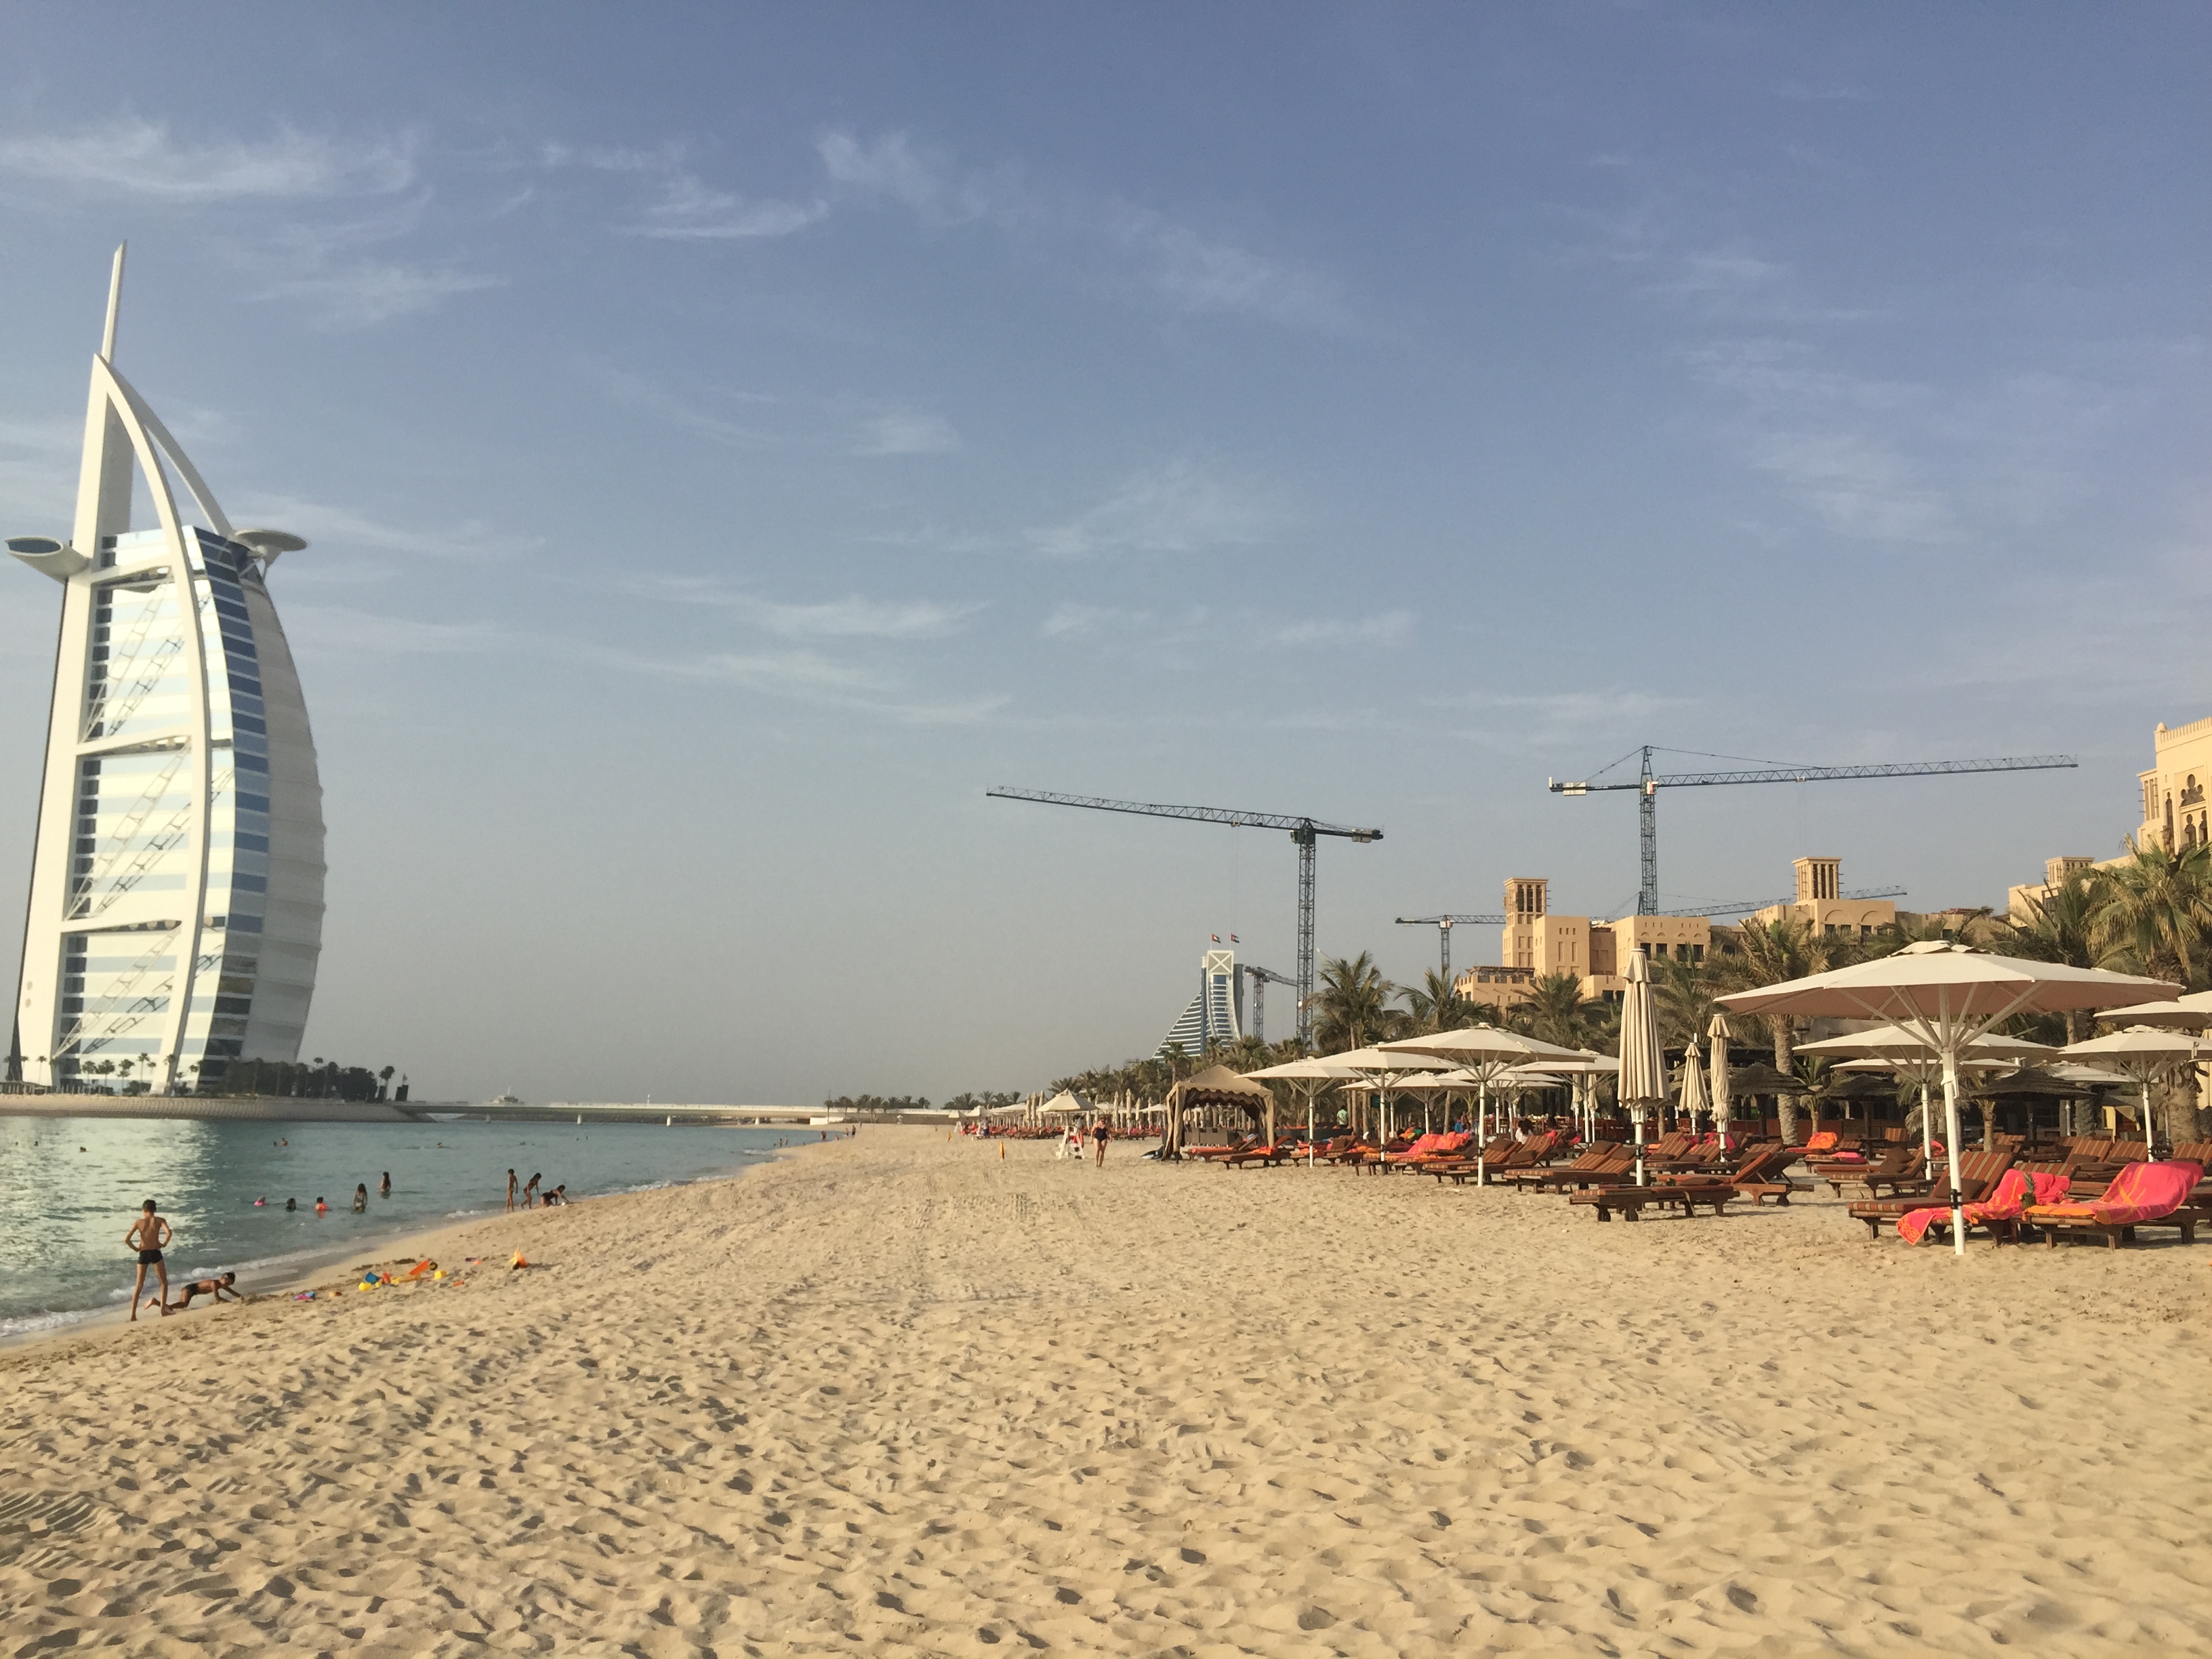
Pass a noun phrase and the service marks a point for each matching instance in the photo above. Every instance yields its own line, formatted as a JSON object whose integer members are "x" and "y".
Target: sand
{"x": 899, "y": 1395}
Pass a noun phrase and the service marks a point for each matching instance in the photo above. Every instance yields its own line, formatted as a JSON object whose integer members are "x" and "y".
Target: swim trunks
{"x": 148, "y": 1258}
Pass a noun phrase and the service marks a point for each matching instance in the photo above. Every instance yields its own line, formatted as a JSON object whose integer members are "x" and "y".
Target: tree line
{"x": 2149, "y": 912}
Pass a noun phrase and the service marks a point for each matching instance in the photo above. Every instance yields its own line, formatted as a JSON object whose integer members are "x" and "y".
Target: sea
{"x": 71, "y": 1188}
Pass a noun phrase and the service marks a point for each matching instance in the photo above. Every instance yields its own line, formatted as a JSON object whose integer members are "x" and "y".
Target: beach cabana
{"x": 1948, "y": 995}
{"x": 1217, "y": 1085}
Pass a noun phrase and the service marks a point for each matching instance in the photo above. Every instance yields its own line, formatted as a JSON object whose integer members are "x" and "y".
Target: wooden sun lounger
{"x": 1977, "y": 1173}
{"x": 1528, "y": 1155}
{"x": 1590, "y": 1158}
{"x": 1898, "y": 1164}
{"x": 1617, "y": 1168}
{"x": 1632, "y": 1200}
{"x": 1269, "y": 1156}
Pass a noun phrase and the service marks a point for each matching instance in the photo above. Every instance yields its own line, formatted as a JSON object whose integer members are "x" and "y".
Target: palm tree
{"x": 1352, "y": 1007}
{"x": 1766, "y": 953}
{"x": 1556, "y": 1011}
{"x": 2153, "y": 911}
{"x": 2060, "y": 927}
{"x": 1434, "y": 1005}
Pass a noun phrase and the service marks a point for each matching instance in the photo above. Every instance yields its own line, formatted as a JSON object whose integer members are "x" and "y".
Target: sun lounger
{"x": 1895, "y": 1161}
{"x": 1998, "y": 1215}
{"x": 1632, "y": 1201}
{"x": 1595, "y": 1155}
{"x": 2141, "y": 1195}
{"x": 1267, "y": 1156}
{"x": 1616, "y": 1167}
{"x": 1978, "y": 1172}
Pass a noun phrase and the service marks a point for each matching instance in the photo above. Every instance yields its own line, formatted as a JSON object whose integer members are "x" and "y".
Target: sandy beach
{"x": 900, "y": 1395}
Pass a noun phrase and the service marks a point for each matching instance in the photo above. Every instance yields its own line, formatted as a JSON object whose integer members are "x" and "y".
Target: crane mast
{"x": 1304, "y": 832}
{"x": 1444, "y": 926}
{"x": 1647, "y": 784}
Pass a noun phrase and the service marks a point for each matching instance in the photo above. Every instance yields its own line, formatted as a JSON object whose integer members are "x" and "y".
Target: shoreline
{"x": 281, "y": 1279}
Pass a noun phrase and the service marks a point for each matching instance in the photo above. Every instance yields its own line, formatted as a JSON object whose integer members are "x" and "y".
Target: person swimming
{"x": 259, "y": 1202}
{"x": 360, "y": 1197}
{"x": 321, "y": 1208}
{"x": 385, "y": 1191}
{"x": 291, "y": 1203}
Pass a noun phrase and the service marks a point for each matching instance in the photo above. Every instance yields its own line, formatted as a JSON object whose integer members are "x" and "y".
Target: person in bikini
{"x": 147, "y": 1236}
{"x": 218, "y": 1288}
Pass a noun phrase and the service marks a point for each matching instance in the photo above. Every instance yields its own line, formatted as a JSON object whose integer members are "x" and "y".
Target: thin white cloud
{"x": 1195, "y": 271}
{"x": 907, "y": 432}
{"x": 637, "y": 392}
{"x": 1384, "y": 628}
{"x": 1181, "y": 507}
{"x": 335, "y": 528}
{"x": 362, "y": 295}
{"x": 807, "y": 677}
{"x": 686, "y": 210}
{"x": 333, "y": 627}
{"x": 132, "y": 157}
{"x": 851, "y": 617}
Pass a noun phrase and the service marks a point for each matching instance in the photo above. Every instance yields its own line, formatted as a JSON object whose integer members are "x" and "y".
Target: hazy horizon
{"x": 731, "y": 441}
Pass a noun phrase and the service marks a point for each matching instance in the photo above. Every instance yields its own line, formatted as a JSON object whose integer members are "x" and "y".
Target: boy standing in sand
{"x": 147, "y": 1236}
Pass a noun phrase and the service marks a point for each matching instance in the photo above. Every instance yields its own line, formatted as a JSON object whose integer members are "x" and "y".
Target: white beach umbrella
{"x": 1379, "y": 1065}
{"x": 1693, "y": 1084}
{"x": 1487, "y": 1053}
{"x": 1719, "y": 1032}
{"x": 1948, "y": 995}
{"x": 1916, "y": 1062}
{"x": 2189, "y": 1013}
{"x": 1317, "y": 1075}
{"x": 2142, "y": 1053}
{"x": 1642, "y": 1064}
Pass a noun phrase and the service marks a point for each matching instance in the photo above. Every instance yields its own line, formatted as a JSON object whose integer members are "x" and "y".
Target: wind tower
{"x": 176, "y": 907}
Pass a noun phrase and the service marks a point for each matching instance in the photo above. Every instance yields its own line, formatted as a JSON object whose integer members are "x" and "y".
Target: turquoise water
{"x": 71, "y": 1188}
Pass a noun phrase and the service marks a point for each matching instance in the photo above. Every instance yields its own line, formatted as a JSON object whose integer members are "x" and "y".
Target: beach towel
{"x": 2141, "y": 1192}
{"x": 1821, "y": 1142}
{"x": 2013, "y": 1196}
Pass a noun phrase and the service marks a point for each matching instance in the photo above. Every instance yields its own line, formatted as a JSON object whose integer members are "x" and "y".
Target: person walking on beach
{"x": 529, "y": 1192}
{"x": 1100, "y": 1134}
{"x": 147, "y": 1236}
{"x": 510, "y": 1189}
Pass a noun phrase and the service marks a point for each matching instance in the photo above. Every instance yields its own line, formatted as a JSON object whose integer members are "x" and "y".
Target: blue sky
{"x": 733, "y": 440}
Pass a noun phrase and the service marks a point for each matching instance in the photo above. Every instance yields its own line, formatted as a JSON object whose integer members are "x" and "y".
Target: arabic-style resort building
{"x": 176, "y": 904}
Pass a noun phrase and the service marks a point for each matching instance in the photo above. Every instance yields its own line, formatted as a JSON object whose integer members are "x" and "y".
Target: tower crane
{"x": 1261, "y": 978}
{"x": 1648, "y": 783}
{"x": 1444, "y": 926}
{"x": 1304, "y": 831}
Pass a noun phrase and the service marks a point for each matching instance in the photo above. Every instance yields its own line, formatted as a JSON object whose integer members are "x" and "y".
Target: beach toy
{"x": 520, "y": 1261}
{"x": 438, "y": 1274}
{"x": 425, "y": 1265}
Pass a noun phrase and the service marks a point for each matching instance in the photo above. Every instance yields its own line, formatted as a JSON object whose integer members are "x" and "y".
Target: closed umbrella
{"x": 2142, "y": 1053}
{"x": 1693, "y": 1084}
{"x": 1719, "y": 1032}
{"x": 1949, "y": 995}
{"x": 1642, "y": 1065}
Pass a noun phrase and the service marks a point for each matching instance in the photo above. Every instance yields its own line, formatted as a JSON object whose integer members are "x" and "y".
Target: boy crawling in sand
{"x": 218, "y": 1288}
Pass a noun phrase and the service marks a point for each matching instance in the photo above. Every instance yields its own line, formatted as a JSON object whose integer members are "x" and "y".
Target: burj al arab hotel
{"x": 176, "y": 903}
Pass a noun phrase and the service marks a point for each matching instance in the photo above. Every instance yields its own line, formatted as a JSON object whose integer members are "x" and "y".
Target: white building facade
{"x": 176, "y": 904}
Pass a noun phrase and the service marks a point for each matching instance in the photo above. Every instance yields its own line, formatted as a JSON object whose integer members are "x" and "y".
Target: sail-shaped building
{"x": 176, "y": 905}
